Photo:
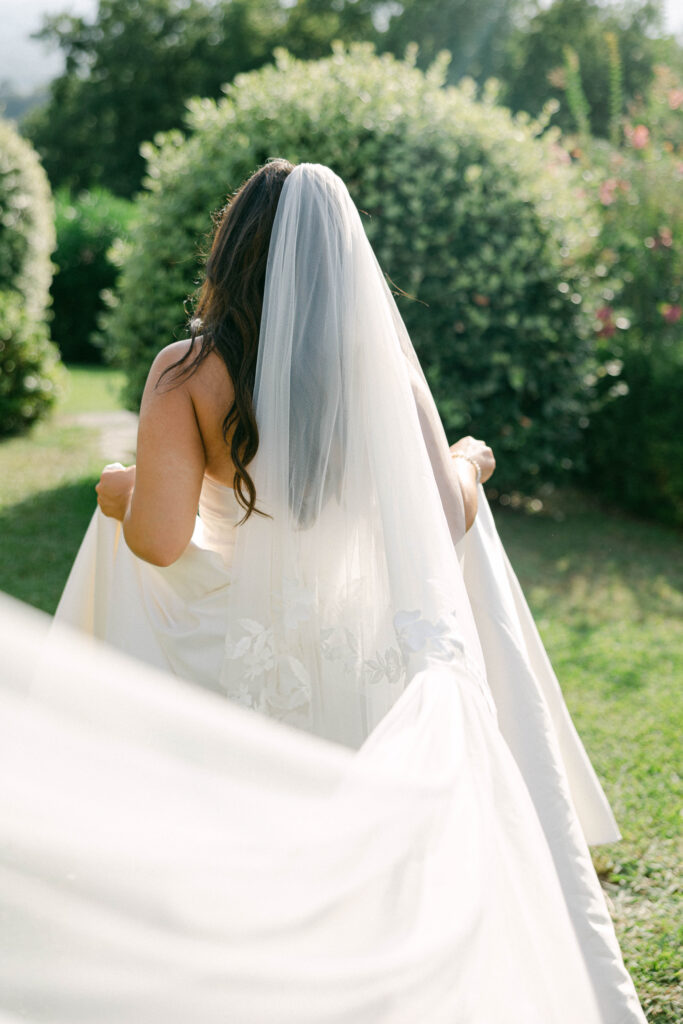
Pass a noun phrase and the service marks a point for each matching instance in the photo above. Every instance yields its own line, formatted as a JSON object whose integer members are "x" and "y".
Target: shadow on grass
{"x": 39, "y": 538}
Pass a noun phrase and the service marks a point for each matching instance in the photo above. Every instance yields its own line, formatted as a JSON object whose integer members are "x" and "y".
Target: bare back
{"x": 212, "y": 394}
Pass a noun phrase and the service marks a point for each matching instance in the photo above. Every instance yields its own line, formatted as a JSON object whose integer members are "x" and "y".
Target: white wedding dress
{"x": 394, "y": 828}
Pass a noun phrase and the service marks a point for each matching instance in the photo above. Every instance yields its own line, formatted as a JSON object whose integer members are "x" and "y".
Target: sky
{"x": 27, "y": 64}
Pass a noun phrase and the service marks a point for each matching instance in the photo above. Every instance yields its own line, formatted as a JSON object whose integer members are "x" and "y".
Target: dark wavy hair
{"x": 227, "y": 317}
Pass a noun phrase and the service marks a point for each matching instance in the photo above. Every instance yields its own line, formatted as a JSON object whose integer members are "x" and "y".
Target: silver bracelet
{"x": 473, "y": 462}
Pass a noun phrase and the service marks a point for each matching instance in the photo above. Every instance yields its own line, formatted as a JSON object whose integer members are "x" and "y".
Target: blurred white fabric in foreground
{"x": 167, "y": 856}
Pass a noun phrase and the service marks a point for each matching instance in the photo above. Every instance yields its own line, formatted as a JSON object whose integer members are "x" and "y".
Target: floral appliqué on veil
{"x": 269, "y": 673}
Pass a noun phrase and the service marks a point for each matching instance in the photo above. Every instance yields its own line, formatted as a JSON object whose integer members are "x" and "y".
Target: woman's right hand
{"x": 114, "y": 489}
{"x": 480, "y": 452}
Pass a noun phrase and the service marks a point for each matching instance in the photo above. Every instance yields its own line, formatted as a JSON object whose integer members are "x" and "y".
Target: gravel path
{"x": 118, "y": 433}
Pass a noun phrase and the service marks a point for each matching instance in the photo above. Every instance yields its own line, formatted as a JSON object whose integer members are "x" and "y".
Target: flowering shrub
{"x": 28, "y": 361}
{"x": 477, "y": 214}
{"x": 635, "y": 442}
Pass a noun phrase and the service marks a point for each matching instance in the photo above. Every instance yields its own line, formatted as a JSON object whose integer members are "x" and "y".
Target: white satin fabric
{"x": 168, "y": 856}
{"x": 513, "y": 795}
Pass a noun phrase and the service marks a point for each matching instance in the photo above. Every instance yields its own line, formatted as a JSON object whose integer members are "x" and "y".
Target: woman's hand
{"x": 114, "y": 490}
{"x": 479, "y": 451}
{"x": 482, "y": 456}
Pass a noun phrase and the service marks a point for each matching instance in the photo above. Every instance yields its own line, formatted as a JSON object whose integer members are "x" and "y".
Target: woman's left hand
{"x": 114, "y": 490}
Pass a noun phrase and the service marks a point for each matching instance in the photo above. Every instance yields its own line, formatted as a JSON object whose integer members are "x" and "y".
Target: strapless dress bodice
{"x": 219, "y": 514}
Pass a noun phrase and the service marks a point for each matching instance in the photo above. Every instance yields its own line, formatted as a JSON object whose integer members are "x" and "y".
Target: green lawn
{"x": 47, "y": 480}
{"x": 92, "y": 389}
{"x": 607, "y": 594}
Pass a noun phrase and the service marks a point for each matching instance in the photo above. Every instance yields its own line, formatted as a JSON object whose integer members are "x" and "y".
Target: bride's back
{"x": 212, "y": 393}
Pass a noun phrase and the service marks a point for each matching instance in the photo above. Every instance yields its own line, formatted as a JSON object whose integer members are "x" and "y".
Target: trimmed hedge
{"x": 87, "y": 226}
{"x": 28, "y": 361}
{"x": 477, "y": 214}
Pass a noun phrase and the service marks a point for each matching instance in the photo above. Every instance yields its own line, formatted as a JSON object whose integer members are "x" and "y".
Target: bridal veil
{"x": 349, "y": 582}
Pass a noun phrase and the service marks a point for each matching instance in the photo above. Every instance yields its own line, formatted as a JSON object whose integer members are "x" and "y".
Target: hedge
{"x": 28, "y": 361}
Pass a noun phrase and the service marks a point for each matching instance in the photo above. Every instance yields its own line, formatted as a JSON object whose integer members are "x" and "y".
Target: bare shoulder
{"x": 208, "y": 387}
{"x": 211, "y": 382}
{"x": 168, "y": 357}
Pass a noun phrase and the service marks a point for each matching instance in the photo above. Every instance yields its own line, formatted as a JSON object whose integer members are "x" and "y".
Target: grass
{"x": 92, "y": 389}
{"x": 47, "y": 480}
{"x": 607, "y": 595}
{"x": 606, "y": 592}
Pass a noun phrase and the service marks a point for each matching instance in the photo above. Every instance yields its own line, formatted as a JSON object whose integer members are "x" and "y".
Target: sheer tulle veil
{"x": 349, "y": 584}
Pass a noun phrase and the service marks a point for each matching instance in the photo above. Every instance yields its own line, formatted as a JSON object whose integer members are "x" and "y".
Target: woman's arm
{"x": 456, "y": 478}
{"x": 474, "y": 454}
{"x": 157, "y": 499}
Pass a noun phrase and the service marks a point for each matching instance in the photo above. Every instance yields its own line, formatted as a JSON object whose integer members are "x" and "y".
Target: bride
{"x": 401, "y": 834}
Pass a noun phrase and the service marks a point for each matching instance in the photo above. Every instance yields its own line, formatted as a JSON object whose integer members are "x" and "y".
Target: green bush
{"x": 28, "y": 361}
{"x": 476, "y": 214}
{"x": 87, "y": 225}
{"x": 29, "y": 371}
{"x": 635, "y": 441}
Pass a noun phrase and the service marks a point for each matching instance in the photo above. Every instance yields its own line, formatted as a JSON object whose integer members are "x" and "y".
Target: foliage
{"x": 28, "y": 366}
{"x": 635, "y": 442}
{"x": 576, "y": 98}
{"x": 475, "y": 33}
{"x": 28, "y": 362}
{"x": 26, "y": 229}
{"x": 534, "y": 68}
{"x": 87, "y": 225}
{"x": 467, "y": 208}
{"x": 130, "y": 72}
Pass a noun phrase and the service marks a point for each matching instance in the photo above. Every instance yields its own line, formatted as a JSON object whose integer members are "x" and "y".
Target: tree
{"x": 473, "y": 31}
{"x": 535, "y": 68}
{"x": 130, "y": 72}
{"x": 128, "y": 75}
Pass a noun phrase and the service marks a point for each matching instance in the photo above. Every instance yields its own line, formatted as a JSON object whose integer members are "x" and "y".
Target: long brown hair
{"x": 227, "y": 316}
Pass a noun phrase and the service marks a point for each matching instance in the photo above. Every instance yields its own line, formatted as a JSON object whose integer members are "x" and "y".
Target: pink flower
{"x": 675, "y": 98}
{"x": 560, "y": 154}
{"x": 607, "y": 189}
{"x": 604, "y": 314}
{"x": 640, "y": 136}
{"x": 671, "y": 313}
{"x": 665, "y": 237}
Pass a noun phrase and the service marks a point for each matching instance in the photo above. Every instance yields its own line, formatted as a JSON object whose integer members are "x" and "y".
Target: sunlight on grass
{"x": 92, "y": 389}
{"x": 46, "y": 499}
{"x": 607, "y": 595}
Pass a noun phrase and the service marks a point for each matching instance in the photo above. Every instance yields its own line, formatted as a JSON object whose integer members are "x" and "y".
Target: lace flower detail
{"x": 338, "y": 643}
{"x": 389, "y": 666}
{"x": 416, "y": 634}
{"x": 287, "y": 688}
{"x": 266, "y": 680}
{"x": 254, "y": 649}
